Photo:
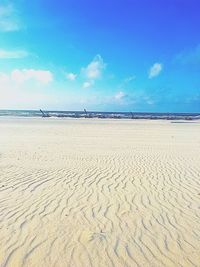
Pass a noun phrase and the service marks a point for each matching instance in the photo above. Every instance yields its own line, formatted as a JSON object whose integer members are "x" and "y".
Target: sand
{"x": 99, "y": 193}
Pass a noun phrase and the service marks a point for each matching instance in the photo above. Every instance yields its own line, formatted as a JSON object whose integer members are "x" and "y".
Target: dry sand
{"x": 99, "y": 193}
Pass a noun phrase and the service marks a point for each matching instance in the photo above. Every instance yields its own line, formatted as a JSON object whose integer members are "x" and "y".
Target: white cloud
{"x": 155, "y": 70}
{"x": 71, "y": 76}
{"x": 95, "y": 69}
{"x": 88, "y": 84}
{"x": 134, "y": 98}
{"x": 42, "y": 76}
{"x": 21, "y": 76}
{"x": 14, "y": 54}
{"x": 120, "y": 95}
{"x": 26, "y": 89}
{"x": 9, "y": 20}
{"x": 129, "y": 79}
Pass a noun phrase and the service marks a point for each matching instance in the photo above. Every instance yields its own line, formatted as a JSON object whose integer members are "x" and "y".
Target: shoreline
{"x": 186, "y": 119}
{"x": 100, "y": 115}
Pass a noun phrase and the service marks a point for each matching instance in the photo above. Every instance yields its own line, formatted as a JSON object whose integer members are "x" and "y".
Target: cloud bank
{"x": 20, "y": 76}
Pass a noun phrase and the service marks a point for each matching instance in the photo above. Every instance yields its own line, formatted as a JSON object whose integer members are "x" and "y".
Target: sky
{"x": 108, "y": 55}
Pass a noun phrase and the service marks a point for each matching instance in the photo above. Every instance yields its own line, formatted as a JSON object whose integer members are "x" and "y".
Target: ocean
{"x": 95, "y": 114}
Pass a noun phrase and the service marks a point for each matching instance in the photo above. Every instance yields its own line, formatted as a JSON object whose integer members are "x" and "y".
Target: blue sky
{"x": 125, "y": 55}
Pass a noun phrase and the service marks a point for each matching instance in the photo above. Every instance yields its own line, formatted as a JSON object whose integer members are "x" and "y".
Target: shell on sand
{"x": 99, "y": 193}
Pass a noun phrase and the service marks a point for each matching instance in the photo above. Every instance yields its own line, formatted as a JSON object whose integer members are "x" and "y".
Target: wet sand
{"x": 99, "y": 193}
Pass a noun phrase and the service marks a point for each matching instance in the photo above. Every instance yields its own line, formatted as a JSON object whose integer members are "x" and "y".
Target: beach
{"x": 99, "y": 192}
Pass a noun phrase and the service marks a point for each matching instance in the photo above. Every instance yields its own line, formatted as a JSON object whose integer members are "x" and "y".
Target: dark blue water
{"x": 95, "y": 114}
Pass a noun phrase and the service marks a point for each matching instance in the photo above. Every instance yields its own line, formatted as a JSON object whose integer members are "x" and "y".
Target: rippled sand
{"x": 99, "y": 193}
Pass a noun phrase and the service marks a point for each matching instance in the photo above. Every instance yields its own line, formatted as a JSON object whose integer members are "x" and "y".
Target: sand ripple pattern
{"x": 98, "y": 193}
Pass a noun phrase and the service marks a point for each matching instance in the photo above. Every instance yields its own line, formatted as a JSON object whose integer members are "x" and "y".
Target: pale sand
{"x": 99, "y": 193}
